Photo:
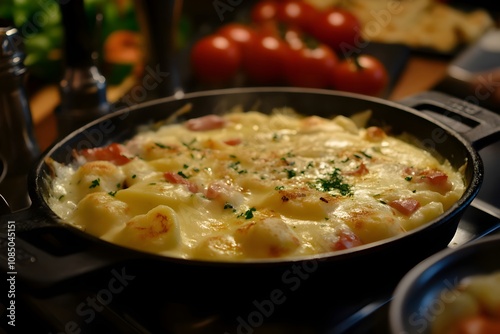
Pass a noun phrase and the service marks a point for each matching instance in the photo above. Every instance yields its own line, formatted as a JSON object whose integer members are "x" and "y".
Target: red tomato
{"x": 296, "y": 13}
{"x": 264, "y": 59}
{"x": 240, "y": 33}
{"x": 269, "y": 28}
{"x": 291, "y": 35}
{"x": 215, "y": 59}
{"x": 335, "y": 27}
{"x": 310, "y": 67}
{"x": 263, "y": 11}
{"x": 294, "y": 38}
{"x": 363, "y": 74}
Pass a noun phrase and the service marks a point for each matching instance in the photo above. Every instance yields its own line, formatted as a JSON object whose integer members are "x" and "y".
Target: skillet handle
{"x": 45, "y": 257}
{"x": 479, "y": 125}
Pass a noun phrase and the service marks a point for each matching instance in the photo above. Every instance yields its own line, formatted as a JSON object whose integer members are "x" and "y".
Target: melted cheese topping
{"x": 250, "y": 186}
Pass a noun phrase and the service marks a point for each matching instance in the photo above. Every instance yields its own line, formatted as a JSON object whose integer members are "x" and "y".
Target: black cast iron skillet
{"x": 424, "y": 291}
{"x": 52, "y": 255}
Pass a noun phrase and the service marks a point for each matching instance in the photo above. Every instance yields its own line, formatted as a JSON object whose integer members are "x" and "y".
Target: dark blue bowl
{"x": 424, "y": 291}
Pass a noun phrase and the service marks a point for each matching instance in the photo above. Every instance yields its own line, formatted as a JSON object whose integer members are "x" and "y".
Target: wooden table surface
{"x": 420, "y": 74}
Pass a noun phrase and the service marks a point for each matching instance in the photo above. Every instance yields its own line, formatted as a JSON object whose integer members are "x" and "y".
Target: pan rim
{"x": 35, "y": 178}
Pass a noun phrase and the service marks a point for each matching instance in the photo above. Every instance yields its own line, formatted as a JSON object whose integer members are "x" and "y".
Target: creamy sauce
{"x": 248, "y": 185}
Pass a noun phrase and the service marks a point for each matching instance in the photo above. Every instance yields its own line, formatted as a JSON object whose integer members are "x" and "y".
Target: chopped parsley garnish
{"x": 234, "y": 165}
{"x": 249, "y": 213}
{"x": 333, "y": 182}
{"x": 95, "y": 183}
{"x": 182, "y": 174}
{"x": 228, "y": 206}
{"x": 408, "y": 178}
{"x": 366, "y": 155}
{"x": 188, "y": 145}
{"x": 185, "y": 166}
{"x": 160, "y": 145}
{"x": 134, "y": 176}
{"x": 279, "y": 188}
{"x": 290, "y": 173}
{"x": 112, "y": 193}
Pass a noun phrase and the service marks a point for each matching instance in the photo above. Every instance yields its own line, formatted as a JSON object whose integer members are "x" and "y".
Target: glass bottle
{"x": 18, "y": 146}
{"x": 83, "y": 87}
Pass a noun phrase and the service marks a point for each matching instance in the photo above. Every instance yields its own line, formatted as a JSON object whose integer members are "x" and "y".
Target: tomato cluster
{"x": 289, "y": 42}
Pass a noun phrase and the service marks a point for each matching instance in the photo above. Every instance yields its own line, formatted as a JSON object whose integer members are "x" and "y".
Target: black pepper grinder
{"x": 18, "y": 146}
{"x": 83, "y": 87}
{"x": 158, "y": 22}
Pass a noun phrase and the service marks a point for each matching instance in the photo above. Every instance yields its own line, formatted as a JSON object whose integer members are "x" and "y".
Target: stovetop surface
{"x": 95, "y": 310}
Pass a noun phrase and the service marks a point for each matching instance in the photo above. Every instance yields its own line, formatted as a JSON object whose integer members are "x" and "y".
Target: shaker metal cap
{"x": 12, "y": 53}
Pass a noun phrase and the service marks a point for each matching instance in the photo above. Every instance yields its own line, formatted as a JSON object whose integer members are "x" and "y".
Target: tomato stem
{"x": 356, "y": 62}
{"x": 310, "y": 42}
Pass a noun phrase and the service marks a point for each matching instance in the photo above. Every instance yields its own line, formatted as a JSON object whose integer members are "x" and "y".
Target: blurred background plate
{"x": 418, "y": 297}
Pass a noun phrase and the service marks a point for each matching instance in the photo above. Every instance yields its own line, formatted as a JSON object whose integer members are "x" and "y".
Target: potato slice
{"x": 156, "y": 231}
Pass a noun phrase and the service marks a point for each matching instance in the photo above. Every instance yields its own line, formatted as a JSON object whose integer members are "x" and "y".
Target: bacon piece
{"x": 375, "y": 134}
{"x": 224, "y": 193}
{"x": 204, "y": 123}
{"x": 347, "y": 239}
{"x": 433, "y": 177}
{"x": 361, "y": 170}
{"x": 233, "y": 141}
{"x": 406, "y": 206}
{"x": 112, "y": 153}
{"x": 217, "y": 189}
{"x": 178, "y": 179}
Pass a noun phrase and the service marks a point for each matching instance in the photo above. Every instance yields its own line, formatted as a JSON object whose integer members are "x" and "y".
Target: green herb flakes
{"x": 247, "y": 214}
{"x": 333, "y": 182}
{"x": 95, "y": 183}
{"x": 182, "y": 174}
